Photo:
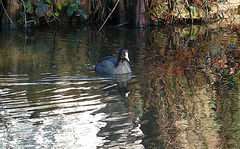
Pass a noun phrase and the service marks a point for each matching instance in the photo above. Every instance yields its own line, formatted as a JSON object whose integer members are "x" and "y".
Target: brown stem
{"x": 108, "y": 16}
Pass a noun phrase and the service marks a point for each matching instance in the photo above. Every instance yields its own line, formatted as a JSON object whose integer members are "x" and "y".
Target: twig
{"x": 55, "y": 17}
{"x": 25, "y": 16}
{"x": 7, "y": 14}
{"x": 121, "y": 24}
{"x": 47, "y": 21}
{"x": 108, "y": 16}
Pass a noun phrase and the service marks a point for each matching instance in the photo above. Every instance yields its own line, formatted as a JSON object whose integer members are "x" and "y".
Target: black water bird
{"x": 113, "y": 65}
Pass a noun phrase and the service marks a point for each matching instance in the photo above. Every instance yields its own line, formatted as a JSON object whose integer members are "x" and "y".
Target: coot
{"x": 113, "y": 65}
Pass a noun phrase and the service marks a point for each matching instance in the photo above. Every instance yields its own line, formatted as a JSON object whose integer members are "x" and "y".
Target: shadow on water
{"x": 183, "y": 91}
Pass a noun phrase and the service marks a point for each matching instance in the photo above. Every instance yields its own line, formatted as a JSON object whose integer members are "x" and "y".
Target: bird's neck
{"x": 120, "y": 62}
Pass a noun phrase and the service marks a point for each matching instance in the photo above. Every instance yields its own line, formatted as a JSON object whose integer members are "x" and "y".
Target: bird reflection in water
{"x": 121, "y": 128}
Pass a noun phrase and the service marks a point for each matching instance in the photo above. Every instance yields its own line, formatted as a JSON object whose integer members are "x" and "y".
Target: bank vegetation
{"x": 17, "y": 14}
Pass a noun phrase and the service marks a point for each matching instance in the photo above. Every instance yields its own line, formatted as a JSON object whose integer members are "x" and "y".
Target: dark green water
{"x": 183, "y": 91}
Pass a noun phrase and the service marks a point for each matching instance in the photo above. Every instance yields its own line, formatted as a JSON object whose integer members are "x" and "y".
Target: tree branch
{"x": 109, "y": 16}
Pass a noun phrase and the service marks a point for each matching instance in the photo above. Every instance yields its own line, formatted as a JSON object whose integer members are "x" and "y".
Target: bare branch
{"x": 109, "y": 16}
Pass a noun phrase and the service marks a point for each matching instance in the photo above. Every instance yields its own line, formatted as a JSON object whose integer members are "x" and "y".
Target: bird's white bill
{"x": 126, "y": 56}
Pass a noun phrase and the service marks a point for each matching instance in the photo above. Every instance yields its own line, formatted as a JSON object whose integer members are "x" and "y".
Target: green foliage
{"x": 59, "y": 6}
{"x": 37, "y": 3}
{"x": 41, "y": 9}
{"x": 64, "y": 4}
{"x": 28, "y": 4}
{"x": 35, "y": 18}
{"x": 192, "y": 8}
{"x": 29, "y": 7}
{"x": 75, "y": 7}
{"x": 48, "y": 1}
{"x": 70, "y": 11}
{"x": 57, "y": 14}
{"x": 51, "y": 10}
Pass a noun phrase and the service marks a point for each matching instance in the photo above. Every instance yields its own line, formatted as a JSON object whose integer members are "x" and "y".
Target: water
{"x": 183, "y": 91}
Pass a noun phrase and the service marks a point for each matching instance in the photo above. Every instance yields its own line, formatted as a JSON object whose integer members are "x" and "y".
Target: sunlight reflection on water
{"x": 67, "y": 113}
{"x": 183, "y": 92}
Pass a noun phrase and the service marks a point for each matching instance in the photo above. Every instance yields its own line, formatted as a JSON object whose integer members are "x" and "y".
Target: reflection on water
{"x": 60, "y": 109}
{"x": 183, "y": 92}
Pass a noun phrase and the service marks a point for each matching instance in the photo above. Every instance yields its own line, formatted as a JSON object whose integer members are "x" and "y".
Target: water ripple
{"x": 58, "y": 109}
